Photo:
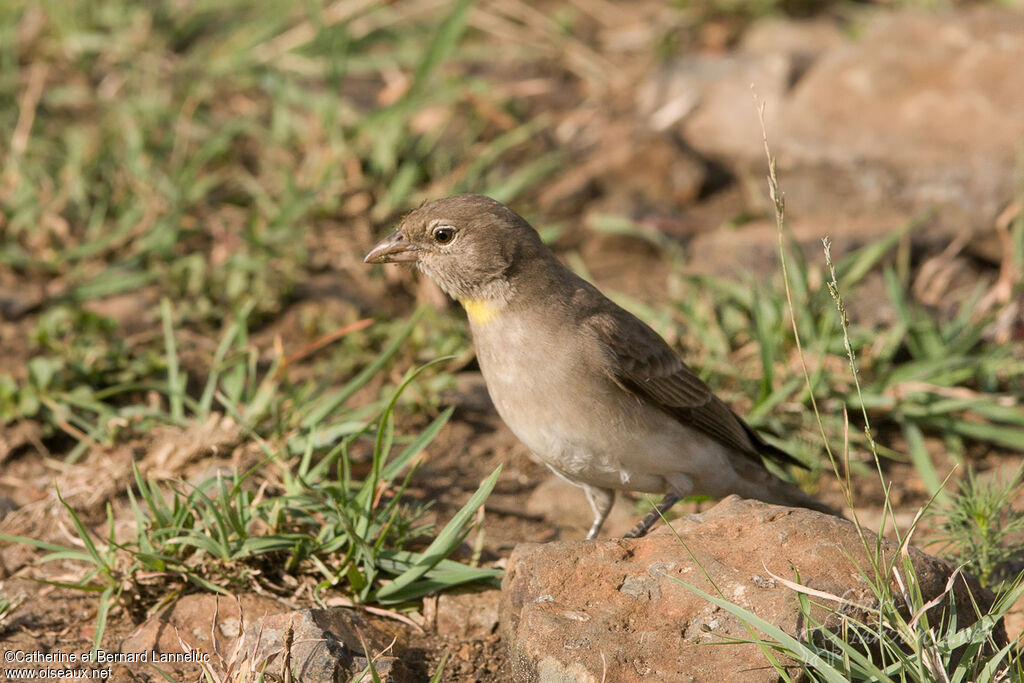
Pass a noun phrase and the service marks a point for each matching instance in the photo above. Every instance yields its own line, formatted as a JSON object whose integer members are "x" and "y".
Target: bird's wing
{"x": 643, "y": 363}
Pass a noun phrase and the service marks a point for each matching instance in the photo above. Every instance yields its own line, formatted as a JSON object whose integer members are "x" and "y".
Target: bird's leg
{"x": 645, "y": 525}
{"x": 601, "y": 503}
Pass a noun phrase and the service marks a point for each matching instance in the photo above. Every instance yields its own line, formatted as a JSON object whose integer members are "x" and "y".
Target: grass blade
{"x": 175, "y": 382}
{"x": 404, "y": 587}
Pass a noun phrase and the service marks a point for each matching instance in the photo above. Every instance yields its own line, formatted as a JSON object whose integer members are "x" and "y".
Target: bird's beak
{"x": 393, "y": 249}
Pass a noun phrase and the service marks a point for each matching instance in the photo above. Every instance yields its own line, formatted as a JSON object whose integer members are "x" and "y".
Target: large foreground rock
{"x": 615, "y": 609}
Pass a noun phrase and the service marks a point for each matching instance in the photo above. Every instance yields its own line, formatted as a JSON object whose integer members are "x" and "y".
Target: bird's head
{"x": 470, "y": 245}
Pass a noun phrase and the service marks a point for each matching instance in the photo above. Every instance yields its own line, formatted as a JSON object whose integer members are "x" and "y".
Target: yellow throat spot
{"x": 480, "y": 311}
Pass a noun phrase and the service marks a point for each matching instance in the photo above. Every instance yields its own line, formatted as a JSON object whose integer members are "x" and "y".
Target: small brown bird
{"x": 591, "y": 390}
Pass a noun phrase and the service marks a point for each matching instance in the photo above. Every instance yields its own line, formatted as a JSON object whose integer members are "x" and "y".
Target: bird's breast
{"x": 518, "y": 360}
{"x": 550, "y": 391}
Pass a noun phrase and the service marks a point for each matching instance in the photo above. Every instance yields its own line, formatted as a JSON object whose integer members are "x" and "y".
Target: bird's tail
{"x": 783, "y": 493}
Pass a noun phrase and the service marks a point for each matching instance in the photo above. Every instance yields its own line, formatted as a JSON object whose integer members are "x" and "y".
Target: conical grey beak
{"x": 393, "y": 249}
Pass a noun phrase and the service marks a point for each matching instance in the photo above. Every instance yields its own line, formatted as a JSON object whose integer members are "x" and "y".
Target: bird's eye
{"x": 443, "y": 234}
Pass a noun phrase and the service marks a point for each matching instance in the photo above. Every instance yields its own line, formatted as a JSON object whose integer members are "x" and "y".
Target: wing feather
{"x": 643, "y": 363}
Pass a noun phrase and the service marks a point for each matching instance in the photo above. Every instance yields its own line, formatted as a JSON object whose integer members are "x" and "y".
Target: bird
{"x": 592, "y": 391}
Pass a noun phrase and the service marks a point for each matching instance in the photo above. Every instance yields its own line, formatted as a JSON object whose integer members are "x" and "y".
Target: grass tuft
{"x": 307, "y": 509}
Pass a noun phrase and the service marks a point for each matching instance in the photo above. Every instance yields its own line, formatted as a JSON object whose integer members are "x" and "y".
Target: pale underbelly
{"x": 597, "y": 434}
{"x": 631, "y": 448}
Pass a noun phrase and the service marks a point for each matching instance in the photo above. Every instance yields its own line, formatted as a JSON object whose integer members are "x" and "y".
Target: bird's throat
{"x": 480, "y": 311}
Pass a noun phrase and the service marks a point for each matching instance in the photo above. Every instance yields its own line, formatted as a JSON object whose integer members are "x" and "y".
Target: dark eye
{"x": 443, "y": 234}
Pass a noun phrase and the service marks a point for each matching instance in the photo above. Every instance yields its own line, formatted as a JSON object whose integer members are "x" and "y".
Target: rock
{"x": 326, "y": 645}
{"x": 631, "y": 167}
{"x": 17, "y": 436}
{"x": 804, "y": 40}
{"x": 649, "y": 172}
{"x": 463, "y": 614}
{"x": 17, "y": 302}
{"x": 616, "y": 610}
{"x": 204, "y": 622}
{"x": 917, "y": 114}
{"x": 7, "y": 506}
{"x": 920, "y": 113}
{"x": 708, "y": 100}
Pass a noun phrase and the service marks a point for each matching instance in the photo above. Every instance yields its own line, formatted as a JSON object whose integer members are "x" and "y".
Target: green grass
{"x": 6, "y": 606}
{"x": 898, "y": 638}
{"x": 981, "y": 528}
{"x": 208, "y": 153}
{"x": 897, "y": 641}
{"x": 307, "y": 509}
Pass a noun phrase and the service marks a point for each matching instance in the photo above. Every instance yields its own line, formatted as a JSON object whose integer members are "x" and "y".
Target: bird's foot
{"x": 657, "y": 513}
